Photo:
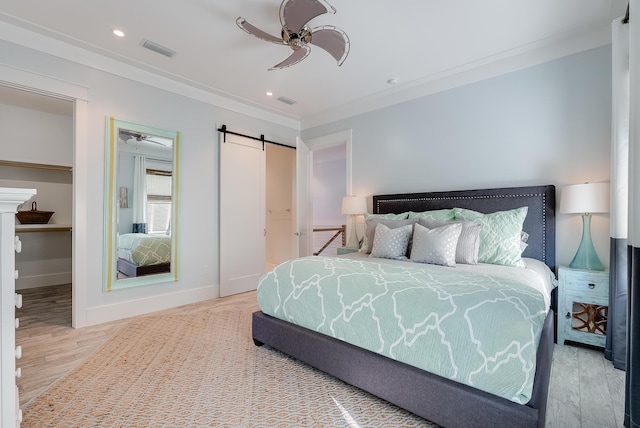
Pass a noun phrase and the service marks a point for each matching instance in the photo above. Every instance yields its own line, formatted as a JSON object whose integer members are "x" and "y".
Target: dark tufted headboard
{"x": 540, "y": 223}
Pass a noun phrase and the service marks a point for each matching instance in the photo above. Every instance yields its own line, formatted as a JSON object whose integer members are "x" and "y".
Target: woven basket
{"x": 34, "y": 216}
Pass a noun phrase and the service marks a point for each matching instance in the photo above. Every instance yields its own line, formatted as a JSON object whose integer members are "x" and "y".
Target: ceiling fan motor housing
{"x": 295, "y": 40}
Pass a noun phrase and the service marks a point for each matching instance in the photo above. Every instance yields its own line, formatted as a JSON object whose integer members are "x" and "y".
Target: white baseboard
{"x": 34, "y": 281}
{"x": 121, "y": 310}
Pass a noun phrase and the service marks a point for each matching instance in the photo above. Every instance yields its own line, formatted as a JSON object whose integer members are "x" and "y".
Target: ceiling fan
{"x": 294, "y": 17}
{"x": 132, "y": 137}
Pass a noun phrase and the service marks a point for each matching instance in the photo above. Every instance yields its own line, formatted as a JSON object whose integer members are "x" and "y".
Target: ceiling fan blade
{"x": 254, "y": 31}
{"x": 333, "y": 40}
{"x": 150, "y": 139}
{"x": 294, "y": 14}
{"x": 294, "y": 58}
{"x": 125, "y": 134}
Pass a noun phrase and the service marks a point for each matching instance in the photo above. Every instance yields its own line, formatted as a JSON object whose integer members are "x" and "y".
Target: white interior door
{"x": 304, "y": 202}
{"x": 242, "y": 214}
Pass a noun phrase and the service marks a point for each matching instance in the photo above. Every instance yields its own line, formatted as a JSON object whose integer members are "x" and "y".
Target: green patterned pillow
{"x": 500, "y": 235}
{"x": 442, "y": 215}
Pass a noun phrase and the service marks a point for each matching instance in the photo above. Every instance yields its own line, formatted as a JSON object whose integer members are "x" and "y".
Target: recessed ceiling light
{"x": 269, "y": 93}
{"x": 392, "y": 81}
{"x": 118, "y": 33}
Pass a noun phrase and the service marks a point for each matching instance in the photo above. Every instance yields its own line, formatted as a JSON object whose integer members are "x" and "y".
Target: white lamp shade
{"x": 585, "y": 198}
{"x": 354, "y": 205}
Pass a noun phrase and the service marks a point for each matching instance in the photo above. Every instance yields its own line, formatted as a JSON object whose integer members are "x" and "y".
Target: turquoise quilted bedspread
{"x": 477, "y": 329}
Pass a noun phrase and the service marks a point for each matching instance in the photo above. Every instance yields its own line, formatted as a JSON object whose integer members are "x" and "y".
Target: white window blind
{"x": 159, "y": 185}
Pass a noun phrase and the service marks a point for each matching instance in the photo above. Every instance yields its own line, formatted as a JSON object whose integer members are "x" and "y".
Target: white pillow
{"x": 391, "y": 243}
{"x": 435, "y": 246}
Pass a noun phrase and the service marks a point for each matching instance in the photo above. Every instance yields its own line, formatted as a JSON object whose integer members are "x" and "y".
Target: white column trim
{"x": 10, "y": 198}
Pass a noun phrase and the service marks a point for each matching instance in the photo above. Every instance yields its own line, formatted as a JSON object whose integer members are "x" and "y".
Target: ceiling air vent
{"x": 287, "y": 100}
{"x": 158, "y": 48}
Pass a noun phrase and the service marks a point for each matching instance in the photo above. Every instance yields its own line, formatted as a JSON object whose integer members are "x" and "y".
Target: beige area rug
{"x": 203, "y": 370}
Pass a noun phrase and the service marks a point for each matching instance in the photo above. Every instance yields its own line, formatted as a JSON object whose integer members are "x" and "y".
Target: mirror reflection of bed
{"x": 142, "y": 254}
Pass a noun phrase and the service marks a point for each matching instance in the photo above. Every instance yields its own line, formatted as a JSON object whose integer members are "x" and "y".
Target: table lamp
{"x": 585, "y": 199}
{"x": 354, "y": 206}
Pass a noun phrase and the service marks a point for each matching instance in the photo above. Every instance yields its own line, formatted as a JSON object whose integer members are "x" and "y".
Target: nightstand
{"x": 345, "y": 250}
{"x": 583, "y": 299}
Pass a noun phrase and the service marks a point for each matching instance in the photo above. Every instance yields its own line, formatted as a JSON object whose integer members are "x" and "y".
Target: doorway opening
{"x": 280, "y": 210}
{"x": 331, "y": 182}
{"x": 41, "y": 158}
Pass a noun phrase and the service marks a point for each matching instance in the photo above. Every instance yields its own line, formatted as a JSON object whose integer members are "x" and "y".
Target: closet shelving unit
{"x": 31, "y": 228}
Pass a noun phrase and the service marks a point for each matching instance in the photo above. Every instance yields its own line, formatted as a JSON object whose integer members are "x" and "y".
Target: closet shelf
{"x": 35, "y": 165}
{"x": 30, "y": 228}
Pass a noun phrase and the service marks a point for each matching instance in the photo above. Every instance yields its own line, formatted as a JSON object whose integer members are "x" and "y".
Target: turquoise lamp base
{"x": 586, "y": 257}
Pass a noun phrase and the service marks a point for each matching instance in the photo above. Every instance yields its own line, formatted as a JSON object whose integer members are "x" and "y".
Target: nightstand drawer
{"x": 588, "y": 288}
{"x": 583, "y": 299}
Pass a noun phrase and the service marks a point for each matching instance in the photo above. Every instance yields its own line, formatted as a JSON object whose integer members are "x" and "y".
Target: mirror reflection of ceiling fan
{"x": 132, "y": 137}
{"x": 294, "y": 17}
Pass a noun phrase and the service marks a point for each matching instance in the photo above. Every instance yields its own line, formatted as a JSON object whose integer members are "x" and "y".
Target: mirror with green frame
{"x": 141, "y": 205}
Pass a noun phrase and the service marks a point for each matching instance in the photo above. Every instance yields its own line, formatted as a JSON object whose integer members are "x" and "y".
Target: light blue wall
{"x": 547, "y": 124}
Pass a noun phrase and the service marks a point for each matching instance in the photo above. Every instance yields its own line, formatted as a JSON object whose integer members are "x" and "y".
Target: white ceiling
{"x": 414, "y": 41}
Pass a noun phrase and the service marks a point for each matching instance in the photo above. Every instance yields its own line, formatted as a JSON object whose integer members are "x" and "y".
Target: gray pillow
{"x": 368, "y": 242}
{"x": 435, "y": 246}
{"x": 391, "y": 243}
{"x": 371, "y": 224}
{"x": 468, "y": 243}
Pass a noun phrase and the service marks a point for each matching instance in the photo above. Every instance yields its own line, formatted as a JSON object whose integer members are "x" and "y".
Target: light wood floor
{"x": 585, "y": 391}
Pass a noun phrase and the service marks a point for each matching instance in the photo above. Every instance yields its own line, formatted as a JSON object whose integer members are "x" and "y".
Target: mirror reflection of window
{"x": 158, "y": 201}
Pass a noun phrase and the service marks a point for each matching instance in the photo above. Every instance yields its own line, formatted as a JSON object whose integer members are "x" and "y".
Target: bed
{"x": 438, "y": 398}
{"x": 142, "y": 254}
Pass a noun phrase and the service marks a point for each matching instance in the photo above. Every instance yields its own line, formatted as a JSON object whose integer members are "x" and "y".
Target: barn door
{"x": 242, "y": 214}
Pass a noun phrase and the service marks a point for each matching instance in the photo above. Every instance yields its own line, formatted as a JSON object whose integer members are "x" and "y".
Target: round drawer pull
{"x": 568, "y": 315}
{"x": 592, "y": 285}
